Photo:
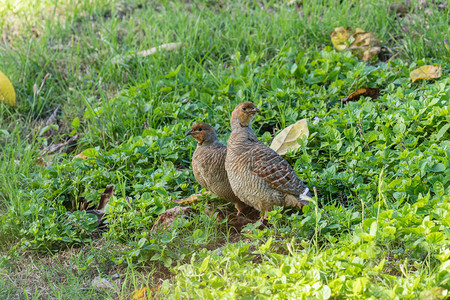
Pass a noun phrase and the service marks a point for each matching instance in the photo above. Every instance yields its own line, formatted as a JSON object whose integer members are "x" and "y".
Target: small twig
{"x": 360, "y": 130}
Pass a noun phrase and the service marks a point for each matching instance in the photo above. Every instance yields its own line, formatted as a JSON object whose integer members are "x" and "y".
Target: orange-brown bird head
{"x": 243, "y": 115}
{"x": 203, "y": 133}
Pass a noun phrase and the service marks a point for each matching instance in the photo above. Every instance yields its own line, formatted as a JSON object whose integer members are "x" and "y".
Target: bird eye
{"x": 244, "y": 108}
{"x": 200, "y": 129}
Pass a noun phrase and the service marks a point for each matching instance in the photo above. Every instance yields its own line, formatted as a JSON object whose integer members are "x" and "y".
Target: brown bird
{"x": 208, "y": 165}
{"x": 258, "y": 175}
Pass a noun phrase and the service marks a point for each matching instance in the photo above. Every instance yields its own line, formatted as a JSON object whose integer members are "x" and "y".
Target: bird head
{"x": 202, "y": 133}
{"x": 243, "y": 114}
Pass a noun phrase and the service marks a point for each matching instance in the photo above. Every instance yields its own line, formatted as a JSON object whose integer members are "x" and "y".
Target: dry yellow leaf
{"x": 339, "y": 37}
{"x": 140, "y": 294}
{"x": 188, "y": 200}
{"x": 426, "y": 72}
{"x": 287, "y": 138}
{"x": 81, "y": 155}
{"x": 167, "y": 47}
{"x": 7, "y": 93}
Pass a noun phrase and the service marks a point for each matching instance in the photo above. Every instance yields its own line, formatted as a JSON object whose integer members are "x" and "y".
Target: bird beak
{"x": 255, "y": 110}
{"x": 189, "y": 132}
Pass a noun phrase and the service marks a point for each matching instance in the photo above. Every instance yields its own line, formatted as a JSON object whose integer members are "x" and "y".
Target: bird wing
{"x": 275, "y": 170}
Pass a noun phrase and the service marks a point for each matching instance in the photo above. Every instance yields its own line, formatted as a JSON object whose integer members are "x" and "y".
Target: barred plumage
{"x": 257, "y": 174}
{"x": 208, "y": 165}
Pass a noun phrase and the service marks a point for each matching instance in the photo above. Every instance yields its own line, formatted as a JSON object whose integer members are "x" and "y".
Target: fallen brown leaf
{"x": 426, "y": 72}
{"x": 373, "y": 93}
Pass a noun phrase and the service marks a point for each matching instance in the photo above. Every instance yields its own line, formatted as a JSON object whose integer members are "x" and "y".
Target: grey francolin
{"x": 208, "y": 165}
{"x": 258, "y": 175}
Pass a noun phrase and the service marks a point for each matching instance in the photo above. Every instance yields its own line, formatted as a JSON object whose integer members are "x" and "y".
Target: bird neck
{"x": 244, "y": 134}
{"x": 235, "y": 123}
{"x": 210, "y": 143}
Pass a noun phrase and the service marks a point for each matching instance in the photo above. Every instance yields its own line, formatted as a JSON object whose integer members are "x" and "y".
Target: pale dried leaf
{"x": 167, "y": 47}
{"x": 287, "y": 138}
{"x": 99, "y": 283}
{"x": 365, "y": 45}
{"x": 339, "y": 37}
{"x": 81, "y": 155}
{"x": 371, "y": 52}
{"x": 7, "y": 93}
{"x": 426, "y": 72}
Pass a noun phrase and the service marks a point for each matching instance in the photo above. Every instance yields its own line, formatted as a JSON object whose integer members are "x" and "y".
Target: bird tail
{"x": 304, "y": 199}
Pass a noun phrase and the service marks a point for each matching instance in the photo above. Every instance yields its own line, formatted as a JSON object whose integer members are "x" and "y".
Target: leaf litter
{"x": 426, "y": 72}
{"x": 286, "y": 140}
{"x": 365, "y": 45}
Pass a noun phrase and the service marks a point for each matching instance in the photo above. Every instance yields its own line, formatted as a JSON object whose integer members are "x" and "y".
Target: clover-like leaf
{"x": 287, "y": 138}
{"x": 7, "y": 93}
{"x": 426, "y": 72}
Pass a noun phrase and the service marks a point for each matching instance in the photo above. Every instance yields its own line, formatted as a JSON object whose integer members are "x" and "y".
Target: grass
{"x": 381, "y": 166}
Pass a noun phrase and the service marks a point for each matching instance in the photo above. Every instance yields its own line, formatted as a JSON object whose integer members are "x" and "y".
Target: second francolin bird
{"x": 259, "y": 176}
{"x": 208, "y": 165}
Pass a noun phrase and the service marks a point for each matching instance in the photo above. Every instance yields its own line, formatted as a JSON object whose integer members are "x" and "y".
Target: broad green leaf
{"x": 205, "y": 264}
{"x": 276, "y": 83}
{"x": 76, "y": 122}
{"x": 439, "y": 167}
{"x": 426, "y": 72}
{"x": 90, "y": 152}
{"x": 324, "y": 293}
{"x": 439, "y": 188}
{"x": 287, "y": 138}
{"x": 442, "y": 131}
{"x": 435, "y": 238}
{"x": 7, "y": 93}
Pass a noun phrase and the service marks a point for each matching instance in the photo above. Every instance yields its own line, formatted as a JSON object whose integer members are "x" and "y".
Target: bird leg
{"x": 263, "y": 217}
